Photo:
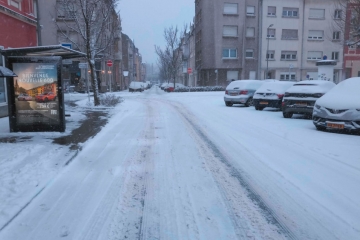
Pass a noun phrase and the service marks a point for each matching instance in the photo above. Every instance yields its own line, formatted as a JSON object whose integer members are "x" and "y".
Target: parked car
{"x": 24, "y": 97}
{"x": 339, "y": 109}
{"x": 45, "y": 97}
{"x": 242, "y": 91}
{"x": 169, "y": 87}
{"x": 301, "y": 97}
{"x": 270, "y": 94}
{"x": 136, "y": 86}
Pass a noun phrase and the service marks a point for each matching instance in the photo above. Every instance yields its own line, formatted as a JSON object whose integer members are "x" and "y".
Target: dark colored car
{"x": 271, "y": 94}
{"x": 301, "y": 97}
{"x": 45, "y": 97}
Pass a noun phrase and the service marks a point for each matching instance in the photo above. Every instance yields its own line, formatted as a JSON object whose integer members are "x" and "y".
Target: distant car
{"x": 24, "y": 97}
{"x": 301, "y": 97}
{"x": 270, "y": 94}
{"x": 339, "y": 109}
{"x": 136, "y": 86}
{"x": 242, "y": 91}
{"x": 45, "y": 97}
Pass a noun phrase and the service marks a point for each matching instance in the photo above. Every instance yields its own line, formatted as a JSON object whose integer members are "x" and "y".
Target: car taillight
{"x": 280, "y": 96}
{"x": 226, "y": 92}
{"x": 243, "y": 92}
{"x": 283, "y": 103}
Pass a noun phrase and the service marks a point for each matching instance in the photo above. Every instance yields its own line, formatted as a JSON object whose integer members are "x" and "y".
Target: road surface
{"x": 184, "y": 166}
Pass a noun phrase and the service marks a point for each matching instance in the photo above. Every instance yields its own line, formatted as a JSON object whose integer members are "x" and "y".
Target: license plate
{"x": 233, "y": 94}
{"x": 301, "y": 104}
{"x": 335, "y": 125}
{"x": 264, "y": 103}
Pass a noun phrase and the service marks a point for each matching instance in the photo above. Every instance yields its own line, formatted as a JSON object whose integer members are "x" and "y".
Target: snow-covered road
{"x": 184, "y": 166}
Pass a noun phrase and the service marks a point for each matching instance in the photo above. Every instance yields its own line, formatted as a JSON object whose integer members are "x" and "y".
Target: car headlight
{"x": 317, "y": 106}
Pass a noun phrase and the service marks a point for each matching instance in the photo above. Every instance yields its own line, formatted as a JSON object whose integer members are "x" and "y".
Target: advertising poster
{"x": 36, "y": 95}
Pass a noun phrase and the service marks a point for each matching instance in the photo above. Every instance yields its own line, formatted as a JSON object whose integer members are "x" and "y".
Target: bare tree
{"x": 91, "y": 26}
{"x": 347, "y": 20}
{"x": 170, "y": 58}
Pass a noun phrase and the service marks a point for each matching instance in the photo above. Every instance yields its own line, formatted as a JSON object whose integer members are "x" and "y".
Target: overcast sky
{"x": 144, "y": 21}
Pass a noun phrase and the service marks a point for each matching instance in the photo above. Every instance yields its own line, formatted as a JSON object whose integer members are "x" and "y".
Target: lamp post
{"x": 267, "y": 51}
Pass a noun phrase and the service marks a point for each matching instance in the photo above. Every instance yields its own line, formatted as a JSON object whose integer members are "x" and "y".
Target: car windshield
{"x": 179, "y": 119}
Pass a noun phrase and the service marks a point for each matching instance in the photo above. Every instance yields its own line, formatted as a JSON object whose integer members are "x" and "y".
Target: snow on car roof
{"x": 345, "y": 95}
{"x": 255, "y": 84}
{"x": 276, "y": 87}
{"x": 311, "y": 86}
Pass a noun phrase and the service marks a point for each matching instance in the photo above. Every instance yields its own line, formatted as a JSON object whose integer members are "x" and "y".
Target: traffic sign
{"x": 83, "y": 65}
{"x": 189, "y": 70}
{"x": 109, "y": 63}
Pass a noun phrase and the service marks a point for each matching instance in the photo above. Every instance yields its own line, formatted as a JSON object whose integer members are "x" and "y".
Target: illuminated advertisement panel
{"x": 36, "y": 95}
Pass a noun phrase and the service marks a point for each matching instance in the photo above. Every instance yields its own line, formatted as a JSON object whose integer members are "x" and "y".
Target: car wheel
{"x": 287, "y": 114}
{"x": 259, "y": 108}
{"x": 249, "y": 102}
{"x": 320, "y": 128}
{"x": 228, "y": 104}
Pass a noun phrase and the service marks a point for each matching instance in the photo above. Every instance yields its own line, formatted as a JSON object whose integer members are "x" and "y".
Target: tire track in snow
{"x": 213, "y": 155}
{"x": 130, "y": 219}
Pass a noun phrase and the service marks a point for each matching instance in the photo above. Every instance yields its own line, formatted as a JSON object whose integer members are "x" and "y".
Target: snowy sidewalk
{"x": 29, "y": 161}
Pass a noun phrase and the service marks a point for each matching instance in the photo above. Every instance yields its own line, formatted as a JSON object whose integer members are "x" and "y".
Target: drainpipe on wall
{"x": 302, "y": 42}
{"x": 260, "y": 39}
{"x": 38, "y": 26}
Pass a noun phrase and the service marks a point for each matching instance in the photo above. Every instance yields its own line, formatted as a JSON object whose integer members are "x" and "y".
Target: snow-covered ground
{"x": 184, "y": 166}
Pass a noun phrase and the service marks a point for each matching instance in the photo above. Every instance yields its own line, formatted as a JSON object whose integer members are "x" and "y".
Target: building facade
{"x": 227, "y": 41}
{"x": 17, "y": 17}
{"x": 296, "y": 34}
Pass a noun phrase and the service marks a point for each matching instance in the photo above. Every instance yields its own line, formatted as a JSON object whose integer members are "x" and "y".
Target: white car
{"x": 301, "y": 97}
{"x": 270, "y": 94}
{"x": 242, "y": 91}
{"x": 339, "y": 109}
{"x": 136, "y": 86}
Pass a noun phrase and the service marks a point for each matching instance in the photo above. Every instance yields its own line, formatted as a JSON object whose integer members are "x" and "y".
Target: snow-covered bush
{"x": 110, "y": 100}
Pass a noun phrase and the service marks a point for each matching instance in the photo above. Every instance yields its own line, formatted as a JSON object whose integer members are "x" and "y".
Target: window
{"x": 316, "y": 35}
{"x": 336, "y": 35}
{"x": 317, "y": 13}
{"x": 337, "y": 14}
{"x": 250, "y": 11}
{"x": 314, "y": 55}
{"x": 270, "y": 55}
{"x": 232, "y": 75}
{"x": 65, "y": 12}
{"x": 230, "y": 31}
{"x": 229, "y": 53}
{"x": 290, "y": 12}
{"x": 15, "y": 3}
{"x": 271, "y": 33}
{"x": 335, "y": 56}
{"x": 250, "y": 32}
{"x": 230, "y": 8}
{"x": 288, "y": 55}
{"x": 271, "y": 11}
{"x": 249, "y": 53}
{"x": 288, "y": 76}
{"x": 289, "y": 34}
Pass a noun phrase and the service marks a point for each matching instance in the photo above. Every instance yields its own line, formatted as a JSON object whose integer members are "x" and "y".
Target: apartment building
{"x": 352, "y": 39}
{"x": 296, "y": 34}
{"x": 227, "y": 41}
{"x": 18, "y": 29}
{"x": 54, "y": 21}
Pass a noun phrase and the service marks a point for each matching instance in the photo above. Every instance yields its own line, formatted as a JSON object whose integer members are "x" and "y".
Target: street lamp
{"x": 267, "y": 50}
